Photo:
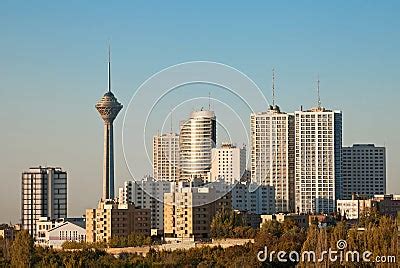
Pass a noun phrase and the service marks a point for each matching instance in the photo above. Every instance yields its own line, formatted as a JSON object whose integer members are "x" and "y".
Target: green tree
{"x": 227, "y": 223}
{"x": 272, "y": 227}
{"x": 22, "y": 250}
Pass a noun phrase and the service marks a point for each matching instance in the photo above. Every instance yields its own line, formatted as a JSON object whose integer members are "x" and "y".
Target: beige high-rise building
{"x": 166, "y": 157}
{"x": 196, "y": 139}
{"x": 318, "y": 160}
{"x": 188, "y": 212}
{"x": 228, "y": 163}
{"x": 112, "y": 219}
{"x": 272, "y": 154}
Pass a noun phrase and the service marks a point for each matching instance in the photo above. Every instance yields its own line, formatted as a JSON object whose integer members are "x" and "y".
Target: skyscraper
{"x": 318, "y": 160}
{"x": 166, "y": 157}
{"x": 197, "y": 138}
{"x": 364, "y": 170}
{"x": 44, "y": 194}
{"x": 272, "y": 153}
{"x": 108, "y": 108}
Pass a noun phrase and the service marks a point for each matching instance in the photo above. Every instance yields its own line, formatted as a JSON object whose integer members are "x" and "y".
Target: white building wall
{"x": 53, "y": 233}
{"x": 228, "y": 163}
{"x": 318, "y": 174}
{"x": 147, "y": 193}
{"x": 272, "y": 154}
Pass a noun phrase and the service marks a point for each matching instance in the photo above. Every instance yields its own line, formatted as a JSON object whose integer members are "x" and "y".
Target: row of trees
{"x": 379, "y": 236}
{"x": 132, "y": 240}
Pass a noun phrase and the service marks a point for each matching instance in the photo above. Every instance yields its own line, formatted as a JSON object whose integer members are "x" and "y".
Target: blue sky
{"x": 53, "y": 70}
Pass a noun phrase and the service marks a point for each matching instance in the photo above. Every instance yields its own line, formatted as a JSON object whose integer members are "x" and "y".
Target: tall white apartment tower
{"x": 228, "y": 163}
{"x": 166, "y": 157}
{"x": 364, "y": 170}
{"x": 318, "y": 160}
{"x": 44, "y": 194}
{"x": 197, "y": 137}
{"x": 272, "y": 153}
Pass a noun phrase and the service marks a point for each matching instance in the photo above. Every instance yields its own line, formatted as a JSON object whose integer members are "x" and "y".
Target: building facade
{"x": 256, "y": 199}
{"x": 196, "y": 139}
{"x": 318, "y": 160}
{"x": 112, "y": 219}
{"x": 353, "y": 209}
{"x": 44, "y": 194}
{"x": 272, "y": 154}
{"x": 166, "y": 157}
{"x": 364, "y": 170}
{"x": 149, "y": 194}
{"x": 188, "y": 212}
{"x": 228, "y": 163}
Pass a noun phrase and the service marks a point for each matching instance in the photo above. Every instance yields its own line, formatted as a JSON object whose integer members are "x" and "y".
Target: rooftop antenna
{"x": 319, "y": 97}
{"x": 273, "y": 87}
{"x": 109, "y": 67}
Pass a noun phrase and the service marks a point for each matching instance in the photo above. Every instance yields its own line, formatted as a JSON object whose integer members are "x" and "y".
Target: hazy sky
{"x": 53, "y": 70}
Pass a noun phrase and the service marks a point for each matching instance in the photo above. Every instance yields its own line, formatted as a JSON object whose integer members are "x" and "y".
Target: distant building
{"x": 353, "y": 209}
{"x": 250, "y": 219}
{"x": 360, "y": 205}
{"x": 147, "y": 193}
{"x": 7, "y": 232}
{"x": 198, "y": 135}
{"x": 272, "y": 154}
{"x": 188, "y": 212}
{"x": 257, "y": 199}
{"x": 112, "y": 219}
{"x": 44, "y": 194}
{"x": 387, "y": 204}
{"x": 228, "y": 163}
{"x": 364, "y": 170}
{"x": 53, "y": 233}
{"x": 318, "y": 160}
{"x": 166, "y": 157}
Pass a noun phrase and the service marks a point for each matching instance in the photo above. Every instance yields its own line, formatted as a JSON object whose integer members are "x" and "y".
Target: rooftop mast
{"x": 273, "y": 87}
{"x": 319, "y": 97}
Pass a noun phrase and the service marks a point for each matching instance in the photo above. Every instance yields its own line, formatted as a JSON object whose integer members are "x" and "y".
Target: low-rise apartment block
{"x": 112, "y": 219}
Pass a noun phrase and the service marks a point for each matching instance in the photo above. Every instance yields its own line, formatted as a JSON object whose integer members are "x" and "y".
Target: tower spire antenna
{"x": 318, "y": 92}
{"x": 171, "y": 119}
{"x": 209, "y": 101}
{"x": 273, "y": 87}
{"x": 109, "y": 67}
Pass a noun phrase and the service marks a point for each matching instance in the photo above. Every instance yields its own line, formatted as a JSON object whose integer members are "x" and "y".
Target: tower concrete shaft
{"x": 108, "y": 108}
